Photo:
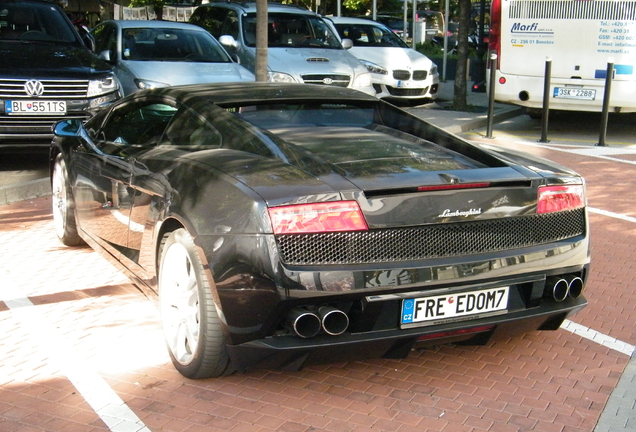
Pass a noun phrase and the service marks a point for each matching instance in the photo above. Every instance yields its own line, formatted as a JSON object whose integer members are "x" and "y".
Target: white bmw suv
{"x": 302, "y": 46}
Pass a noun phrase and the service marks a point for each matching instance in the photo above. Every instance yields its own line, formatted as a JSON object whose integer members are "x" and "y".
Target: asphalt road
{"x": 19, "y": 168}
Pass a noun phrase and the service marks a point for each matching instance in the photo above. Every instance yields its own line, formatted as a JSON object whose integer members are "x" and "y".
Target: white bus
{"x": 580, "y": 36}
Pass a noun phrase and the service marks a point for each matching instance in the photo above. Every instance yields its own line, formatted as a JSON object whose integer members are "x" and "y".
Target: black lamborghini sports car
{"x": 285, "y": 225}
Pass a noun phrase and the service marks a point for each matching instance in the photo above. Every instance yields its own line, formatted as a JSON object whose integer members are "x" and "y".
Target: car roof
{"x": 154, "y": 24}
{"x": 350, "y": 20}
{"x": 257, "y": 92}
{"x": 250, "y": 7}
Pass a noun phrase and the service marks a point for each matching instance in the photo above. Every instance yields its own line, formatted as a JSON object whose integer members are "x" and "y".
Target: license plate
{"x": 410, "y": 84}
{"x": 454, "y": 307}
{"x": 33, "y": 107}
{"x": 574, "y": 93}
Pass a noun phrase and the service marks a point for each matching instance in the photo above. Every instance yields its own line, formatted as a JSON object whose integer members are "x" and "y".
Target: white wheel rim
{"x": 179, "y": 303}
{"x": 59, "y": 199}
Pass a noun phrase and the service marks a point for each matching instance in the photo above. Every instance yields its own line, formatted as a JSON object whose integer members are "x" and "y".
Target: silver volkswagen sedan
{"x": 151, "y": 54}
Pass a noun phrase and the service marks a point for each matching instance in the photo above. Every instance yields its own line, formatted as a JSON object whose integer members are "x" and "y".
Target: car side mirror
{"x": 228, "y": 41}
{"x": 68, "y": 128}
{"x": 347, "y": 43}
{"x": 107, "y": 56}
{"x": 75, "y": 128}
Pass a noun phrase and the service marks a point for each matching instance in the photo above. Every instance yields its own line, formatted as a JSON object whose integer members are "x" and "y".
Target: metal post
{"x": 606, "y": 99}
{"x": 491, "y": 94}
{"x": 414, "y": 24}
{"x": 546, "y": 100}
{"x": 479, "y": 68}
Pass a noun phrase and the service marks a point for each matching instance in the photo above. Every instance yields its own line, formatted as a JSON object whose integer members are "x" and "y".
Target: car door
{"x": 104, "y": 168}
{"x": 187, "y": 132}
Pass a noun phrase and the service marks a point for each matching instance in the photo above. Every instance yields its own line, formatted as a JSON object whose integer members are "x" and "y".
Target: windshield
{"x": 34, "y": 22}
{"x": 292, "y": 30}
{"x": 168, "y": 44}
{"x": 370, "y": 35}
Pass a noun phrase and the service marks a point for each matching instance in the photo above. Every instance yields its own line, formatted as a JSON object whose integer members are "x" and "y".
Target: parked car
{"x": 283, "y": 225}
{"x": 47, "y": 73}
{"x": 434, "y": 22}
{"x": 149, "y": 54}
{"x": 398, "y": 72}
{"x": 302, "y": 47}
{"x": 395, "y": 23}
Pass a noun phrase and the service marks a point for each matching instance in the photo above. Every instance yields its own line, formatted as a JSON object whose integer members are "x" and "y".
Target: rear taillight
{"x": 560, "y": 198}
{"x": 317, "y": 217}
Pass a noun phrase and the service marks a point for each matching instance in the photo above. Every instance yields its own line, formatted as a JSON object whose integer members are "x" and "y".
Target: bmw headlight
{"x": 280, "y": 77}
{"x": 374, "y": 68}
{"x": 147, "y": 84}
{"x": 433, "y": 69}
{"x": 102, "y": 86}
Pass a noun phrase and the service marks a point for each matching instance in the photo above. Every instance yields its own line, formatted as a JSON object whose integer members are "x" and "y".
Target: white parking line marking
{"x": 612, "y": 214}
{"x": 107, "y": 404}
{"x": 600, "y": 338}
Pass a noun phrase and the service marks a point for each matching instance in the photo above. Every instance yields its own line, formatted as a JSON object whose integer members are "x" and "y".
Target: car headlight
{"x": 280, "y": 77}
{"x": 362, "y": 80}
{"x": 147, "y": 84}
{"x": 102, "y": 86}
{"x": 433, "y": 69}
{"x": 374, "y": 68}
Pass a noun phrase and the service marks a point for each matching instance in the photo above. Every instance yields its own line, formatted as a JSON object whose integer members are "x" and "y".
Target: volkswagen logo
{"x": 327, "y": 81}
{"x": 34, "y": 88}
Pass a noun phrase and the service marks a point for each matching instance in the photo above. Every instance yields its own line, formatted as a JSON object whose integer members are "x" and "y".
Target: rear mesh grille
{"x": 53, "y": 89}
{"x": 427, "y": 242}
{"x": 334, "y": 80}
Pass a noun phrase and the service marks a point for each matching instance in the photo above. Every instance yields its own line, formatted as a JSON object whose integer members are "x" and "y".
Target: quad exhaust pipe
{"x": 562, "y": 287}
{"x": 334, "y": 321}
{"x": 307, "y": 323}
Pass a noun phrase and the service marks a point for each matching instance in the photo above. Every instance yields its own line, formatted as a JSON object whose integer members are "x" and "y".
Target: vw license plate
{"x": 453, "y": 307}
{"x": 32, "y": 107}
{"x": 574, "y": 93}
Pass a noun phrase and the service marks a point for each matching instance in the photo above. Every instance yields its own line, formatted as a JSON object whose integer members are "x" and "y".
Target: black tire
{"x": 191, "y": 324}
{"x": 63, "y": 205}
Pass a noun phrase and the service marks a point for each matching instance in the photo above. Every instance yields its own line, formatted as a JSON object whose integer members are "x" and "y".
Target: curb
{"x": 481, "y": 121}
{"x": 24, "y": 191}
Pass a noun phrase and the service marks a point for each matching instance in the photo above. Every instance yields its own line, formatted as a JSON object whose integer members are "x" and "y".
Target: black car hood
{"x": 46, "y": 60}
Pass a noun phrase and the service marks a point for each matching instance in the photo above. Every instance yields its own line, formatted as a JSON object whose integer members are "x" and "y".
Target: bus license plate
{"x": 452, "y": 307}
{"x": 32, "y": 107}
{"x": 574, "y": 93}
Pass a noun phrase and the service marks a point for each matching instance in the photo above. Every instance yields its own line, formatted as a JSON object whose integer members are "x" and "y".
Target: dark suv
{"x": 47, "y": 73}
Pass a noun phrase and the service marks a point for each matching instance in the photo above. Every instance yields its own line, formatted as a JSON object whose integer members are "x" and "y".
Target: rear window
{"x": 303, "y": 115}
